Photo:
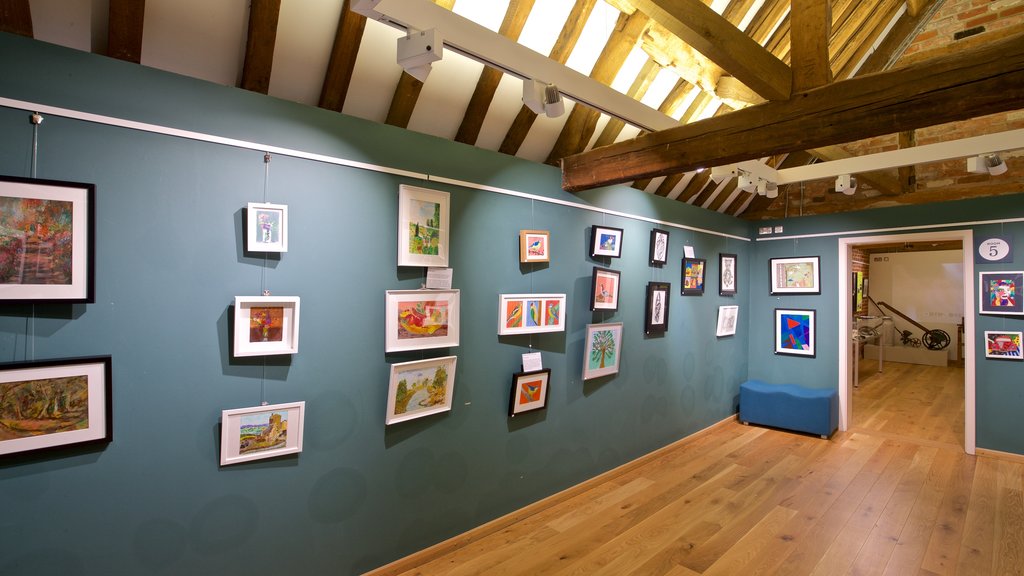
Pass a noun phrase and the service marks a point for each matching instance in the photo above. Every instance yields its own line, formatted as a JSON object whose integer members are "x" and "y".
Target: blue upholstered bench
{"x": 789, "y": 406}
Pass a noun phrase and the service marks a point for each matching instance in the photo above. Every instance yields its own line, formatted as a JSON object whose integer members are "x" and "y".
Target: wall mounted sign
{"x": 993, "y": 249}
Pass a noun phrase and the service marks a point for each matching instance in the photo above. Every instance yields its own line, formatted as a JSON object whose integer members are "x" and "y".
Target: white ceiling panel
{"x": 305, "y": 37}
{"x": 542, "y": 136}
{"x": 445, "y": 96}
{"x": 67, "y": 22}
{"x": 376, "y": 73}
{"x": 197, "y": 38}
{"x": 508, "y": 100}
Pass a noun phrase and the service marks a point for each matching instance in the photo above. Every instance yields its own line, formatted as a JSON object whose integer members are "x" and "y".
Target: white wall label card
{"x": 532, "y": 362}
{"x": 439, "y": 278}
{"x": 688, "y": 252}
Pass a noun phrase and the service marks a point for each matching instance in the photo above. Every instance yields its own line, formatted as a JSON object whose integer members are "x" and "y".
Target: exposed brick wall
{"x": 859, "y": 263}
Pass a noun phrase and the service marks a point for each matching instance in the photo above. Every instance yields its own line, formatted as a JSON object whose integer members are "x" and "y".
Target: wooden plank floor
{"x": 894, "y": 495}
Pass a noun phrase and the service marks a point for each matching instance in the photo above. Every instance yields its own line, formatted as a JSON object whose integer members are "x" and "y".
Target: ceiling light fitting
{"x": 543, "y": 98}
{"x": 846, "y": 184}
{"x": 986, "y": 164}
{"x": 417, "y": 50}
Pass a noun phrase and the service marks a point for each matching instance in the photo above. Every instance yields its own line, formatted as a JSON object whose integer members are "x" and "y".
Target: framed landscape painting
{"x": 261, "y": 432}
{"x": 266, "y": 325}
{"x": 602, "y": 350}
{"x": 727, "y": 316}
{"x": 1000, "y": 293}
{"x": 267, "y": 226}
{"x": 423, "y": 226}
{"x": 727, "y": 280}
{"x": 534, "y": 246}
{"x": 531, "y": 313}
{"x": 659, "y": 247}
{"x": 48, "y": 404}
{"x": 605, "y": 241}
{"x": 693, "y": 276}
{"x": 421, "y": 319}
{"x": 604, "y": 289}
{"x": 656, "y": 314}
{"x": 794, "y": 332}
{"x": 529, "y": 391}
{"x": 420, "y": 388}
{"x": 1003, "y": 345}
{"x": 47, "y": 237}
{"x": 795, "y": 275}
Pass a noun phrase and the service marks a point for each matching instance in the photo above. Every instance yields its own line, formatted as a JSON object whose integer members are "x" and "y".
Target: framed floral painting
{"x": 266, "y": 325}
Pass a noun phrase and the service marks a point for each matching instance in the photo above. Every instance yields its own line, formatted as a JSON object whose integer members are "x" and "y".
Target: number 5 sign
{"x": 994, "y": 249}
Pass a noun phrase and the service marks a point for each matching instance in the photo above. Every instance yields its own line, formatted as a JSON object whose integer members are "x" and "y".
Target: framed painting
{"x": 727, "y": 316}
{"x": 1003, "y": 345}
{"x": 531, "y": 313}
{"x": 420, "y": 388}
{"x": 693, "y": 276}
{"x": 1000, "y": 293}
{"x": 656, "y": 314}
{"x": 728, "y": 282}
{"x": 261, "y": 432}
{"x": 794, "y": 332}
{"x": 49, "y": 404}
{"x": 529, "y": 391}
{"x": 602, "y": 350}
{"x": 659, "y": 247}
{"x": 604, "y": 289}
{"x": 605, "y": 241}
{"x": 795, "y": 275}
{"x": 421, "y": 319}
{"x": 534, "y": 246}
{"x": 423, "y": 226}
{"x": 47, "y": 241}
{"x": 267, "y": 226}
{"x": 266, "y": 325}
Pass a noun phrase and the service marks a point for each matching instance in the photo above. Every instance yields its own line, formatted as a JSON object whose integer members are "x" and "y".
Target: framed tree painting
{"x": 656, "y": 314}
{"x": 605, "y": 241}
{"x": 1000, "y": 293}
{"x": 420, "y": 388}
{"x": 47, "y": 241}
{"x": 1002, "y": 345}
{"x": 795, "y": 275}
{"x": 534, "y": 246}
{"x": 604, "y": 289}
{"x": 727, "y": 279}
{"x": 423, "y": 226}
{"x": 727, "y": 316}
{"x": 421, "y": 319}
{"x": 266, "y": 325}
{"x": 529, "y": 391}
{"x": 794, "y": 332}
{"x": 693, "y": 276}
{"x": 261, "y": 432}
{"x": 602, "y": 350}
{"x": 267, "y": 226}
{"x": 531, "y": 313}
{"x": 659, "y": 247}
{"x": 49, "y": 404}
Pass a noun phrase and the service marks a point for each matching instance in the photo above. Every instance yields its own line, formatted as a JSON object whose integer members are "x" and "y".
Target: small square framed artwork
{"x": 795, "y": 275}
{"x": 656, "y": 315}
{"x": 423, "y": 226}
{"x": 659, "y": 247}
{"x": 728, "y": 282}
{"x": 421, "y": 319}
{"x": 261, "y": 432}
{"x": 267, "y": 226}
{"x": 49, "y": 404}
{"x": 727, "y": 316}
{"x": 534, "y": 246}
{"x": 530, "y": 313}
{"x": 529, "y": 391}
{"x": 693, "y": 276}
{"x": 266, "y": 325}
{"x": 794, "y": 332}
{"x": 605, "y": 241}
{"x": 604, "y": 289}
{"x": 1000, "y": 293}
{"x": 1002, "y": 345}
{"x": 420, "y": 388}
{"x": 602, "y": 350}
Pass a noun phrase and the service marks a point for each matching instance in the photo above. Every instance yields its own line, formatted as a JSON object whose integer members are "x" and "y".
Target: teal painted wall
{"x": 170, "y": 260}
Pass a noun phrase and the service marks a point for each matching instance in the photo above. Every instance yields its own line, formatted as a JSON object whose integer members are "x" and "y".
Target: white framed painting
{"x": 261, "y": 432}
{"x": 727, "y": 316}
{"x": 423, "y": 226}
{"x": 267, "y": 226}
{"x": 421, "y": 319}
{"x": 530, "y": 313}
{"x": 266, "y": 325}
{"x": 602, "y": 350}
{"x": 420, "y": 388}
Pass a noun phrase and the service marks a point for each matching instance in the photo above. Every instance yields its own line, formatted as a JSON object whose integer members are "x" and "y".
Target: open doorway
{"x": 848, "y": 350}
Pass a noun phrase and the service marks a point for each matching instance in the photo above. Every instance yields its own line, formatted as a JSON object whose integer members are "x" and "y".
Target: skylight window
{"x": 487, "y": 13}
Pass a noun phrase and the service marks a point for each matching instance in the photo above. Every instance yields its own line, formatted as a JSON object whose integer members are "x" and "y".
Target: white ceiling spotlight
{"x": 543, "y": 98}
{"x": 846, "y": 184}
{"x": 417, "y": 50}
{"x": 986, "y": 164}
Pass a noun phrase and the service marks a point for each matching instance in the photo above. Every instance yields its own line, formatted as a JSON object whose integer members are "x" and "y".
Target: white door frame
{"x": 845, "y": 316}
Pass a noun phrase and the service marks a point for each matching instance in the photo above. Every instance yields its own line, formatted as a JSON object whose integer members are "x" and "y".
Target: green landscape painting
{"x": 37, "y": 407}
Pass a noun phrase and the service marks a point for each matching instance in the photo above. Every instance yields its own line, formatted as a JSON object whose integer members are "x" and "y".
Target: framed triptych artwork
{"x": 423, "y": 226}
{"x": 266, "y": 325}
{"x": 531, "y": 313}
{"x": 421, "y": 319}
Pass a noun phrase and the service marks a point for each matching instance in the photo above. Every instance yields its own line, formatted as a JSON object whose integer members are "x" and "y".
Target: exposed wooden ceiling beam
{"x": 809, "y": 61}
{"x": 907, "y": 27}
{"x": 259, "y": 45}
{"x": 566, "y": 41}
{"x": 724, "y": 44}
{"x": 124, "y": 29}
{"x": 16, "y": 17}
{"x": 982, "y": 81}
{"x": 473, "y": 120}
{"x": 869, "y": 25}
{"x": 343, "y": 59}
{"x": 403, "y": 102}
